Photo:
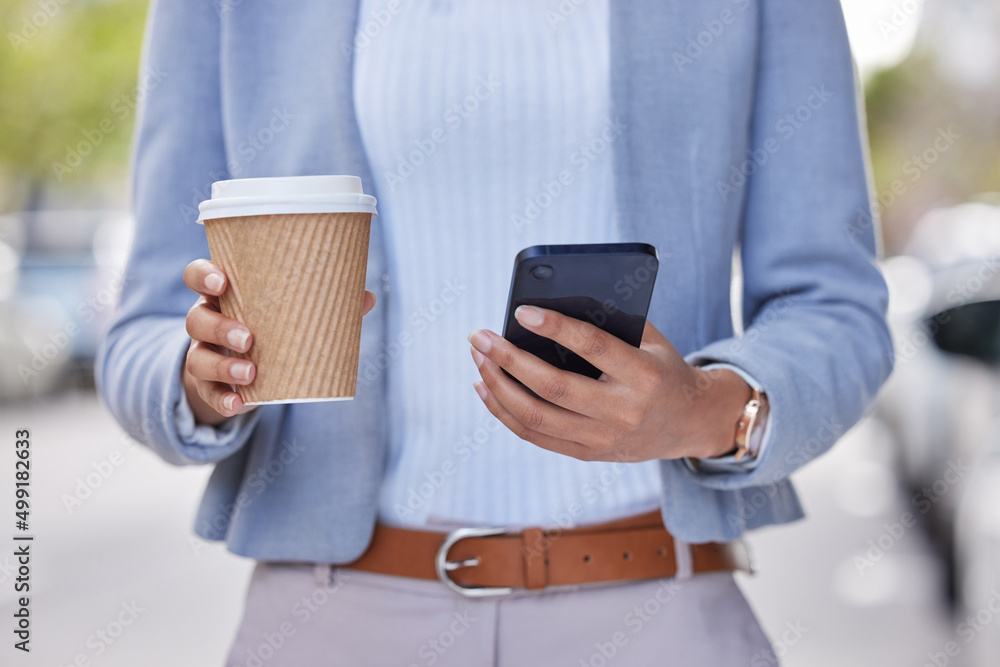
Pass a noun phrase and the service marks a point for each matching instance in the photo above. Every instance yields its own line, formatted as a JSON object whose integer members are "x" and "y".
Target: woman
{"x": 484, "y": 128}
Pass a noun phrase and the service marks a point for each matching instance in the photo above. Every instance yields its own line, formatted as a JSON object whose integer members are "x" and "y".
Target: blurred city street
{"x": 898, "y": 560}
{"x": 114, "y": 544}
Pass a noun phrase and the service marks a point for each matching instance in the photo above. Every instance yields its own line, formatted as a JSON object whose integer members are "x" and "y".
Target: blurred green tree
{"x": 68, "y": 77}
{"x": 934, "y": 142}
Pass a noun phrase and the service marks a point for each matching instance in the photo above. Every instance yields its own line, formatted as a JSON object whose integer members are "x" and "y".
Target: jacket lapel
{"x": 681, "y": 84}
{"x": 287, "y": 67}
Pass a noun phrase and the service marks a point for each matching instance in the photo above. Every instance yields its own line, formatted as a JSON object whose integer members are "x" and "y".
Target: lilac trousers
{"x": 300, "y": 615}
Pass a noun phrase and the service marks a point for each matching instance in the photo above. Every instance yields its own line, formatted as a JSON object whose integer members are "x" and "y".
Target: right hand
{"x": 208, "y": 373}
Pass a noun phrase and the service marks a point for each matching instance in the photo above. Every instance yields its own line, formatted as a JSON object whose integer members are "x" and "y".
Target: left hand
{"x": 647, "y": 404}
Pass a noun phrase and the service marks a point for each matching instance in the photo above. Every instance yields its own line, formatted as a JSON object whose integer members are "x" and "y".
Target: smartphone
{"x": 606, "y": 284}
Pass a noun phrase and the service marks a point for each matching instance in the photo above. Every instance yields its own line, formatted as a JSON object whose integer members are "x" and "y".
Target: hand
{"x": 208, "y": 373}
{"x": 647, "y": 404}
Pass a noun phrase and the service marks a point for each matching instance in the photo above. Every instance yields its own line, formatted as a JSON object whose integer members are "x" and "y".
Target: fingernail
{"x": 480, "y": 340}
{"x": 229, "y": 401}
{"x": 477, "y": 357}
{"x": 528, "y": 315}
{"x": 240, "y": 370}
{"x": 480, "y": 389}
{"x": 214, "y": 282}
{"x": 238, "y": 338}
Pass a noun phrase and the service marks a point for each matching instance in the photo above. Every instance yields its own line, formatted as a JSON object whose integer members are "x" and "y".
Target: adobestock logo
{"x": 256, "y": 483}
{"x": 303, "y": 611}
{"x": 370, "y": 28}
{"x": 454, "y": 117}
{"x": 254, "y": 144}
{"x": 436, "y": 479}
{"x": 57, "y": 346}
{"x": 793, "y": 633}
{"x": 562, "y": 12}
{"x": 581, "y": 159}
{"x": 714, "y": 28}
{"x": 971, "y": 627}
{"x": 635, "y": 620}
{"x": 223, "y": 7}
{"x": 418, "y": 321}
{"x": 105, "y": 637}
{"x": 785, "y": 128}
{"x": 121, "y": 108}
{"x": 923, "y": 501}
{"x": 900, "y": 15}
{"x": 435, "y": 647}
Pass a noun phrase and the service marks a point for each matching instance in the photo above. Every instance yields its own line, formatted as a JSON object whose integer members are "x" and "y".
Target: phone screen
{"x": 608, "y": 285}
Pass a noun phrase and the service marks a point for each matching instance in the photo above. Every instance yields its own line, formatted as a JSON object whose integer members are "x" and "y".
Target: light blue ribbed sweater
{"x": 487, "y": 129}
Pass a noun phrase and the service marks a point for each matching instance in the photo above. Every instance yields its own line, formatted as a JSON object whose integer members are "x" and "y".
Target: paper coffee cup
{"x": 295, "y": 251}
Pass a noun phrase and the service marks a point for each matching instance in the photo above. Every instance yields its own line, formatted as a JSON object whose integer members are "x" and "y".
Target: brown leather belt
{"x": 492, "y": 561}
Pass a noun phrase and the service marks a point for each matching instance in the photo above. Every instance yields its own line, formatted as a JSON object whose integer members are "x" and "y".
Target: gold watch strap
{"x": 746, "y": 423}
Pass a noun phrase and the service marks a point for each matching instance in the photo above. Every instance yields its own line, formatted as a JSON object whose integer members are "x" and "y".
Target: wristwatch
{"x": 750, "y": 427}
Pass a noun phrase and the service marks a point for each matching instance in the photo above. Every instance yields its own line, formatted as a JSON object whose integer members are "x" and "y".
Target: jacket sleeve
{"x": 179, "y": 151}
{"x": 814, "y": 300}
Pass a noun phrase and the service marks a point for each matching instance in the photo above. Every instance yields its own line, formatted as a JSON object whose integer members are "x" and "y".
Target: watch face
{"x": 741, "y": 431}
{"x": 756, "y": 436}
{"x": 747, "y": 423}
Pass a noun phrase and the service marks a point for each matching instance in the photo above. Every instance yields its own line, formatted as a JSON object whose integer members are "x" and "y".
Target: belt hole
{"x": 586, "y": 558}
{"x": 662, "y": 552}
{"x": 627, "y": 555}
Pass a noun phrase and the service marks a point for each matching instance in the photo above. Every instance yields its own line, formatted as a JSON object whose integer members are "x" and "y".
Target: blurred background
{"x": 899, "y": 562}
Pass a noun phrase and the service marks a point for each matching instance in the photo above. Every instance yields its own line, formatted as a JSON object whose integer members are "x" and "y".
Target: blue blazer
{"x": 741, "y": 131}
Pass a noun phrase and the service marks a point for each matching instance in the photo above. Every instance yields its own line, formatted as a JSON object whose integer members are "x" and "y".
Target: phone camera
{"x": 541, "y": 272}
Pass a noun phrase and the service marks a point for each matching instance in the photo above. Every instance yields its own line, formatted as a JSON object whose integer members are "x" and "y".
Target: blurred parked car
{"x": 60, "y": 276}
{"x": 941, "y": 404}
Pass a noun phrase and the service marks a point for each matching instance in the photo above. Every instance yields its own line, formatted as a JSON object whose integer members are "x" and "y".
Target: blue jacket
{"x": 741, "y": 130}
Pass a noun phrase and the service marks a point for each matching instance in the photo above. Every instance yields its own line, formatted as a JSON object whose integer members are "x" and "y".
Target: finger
{"x": 369, "y": 302}
{"x": 222, "y": 398}
{"x": 605, "y": 351}
{"x": 572, "y": 391}
{"x": 205, "y": 278}
{"x": 553, "y": 444}
{"x": 538, "y": 415}
{"x": 208, "y": 325}
{"x": 207, "y": 365}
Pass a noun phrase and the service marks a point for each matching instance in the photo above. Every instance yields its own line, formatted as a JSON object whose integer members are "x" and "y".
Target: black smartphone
{"x": 606, "y": 284}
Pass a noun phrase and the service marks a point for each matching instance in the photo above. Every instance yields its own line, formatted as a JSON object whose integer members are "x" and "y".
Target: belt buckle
{"x": 442, "y": 565}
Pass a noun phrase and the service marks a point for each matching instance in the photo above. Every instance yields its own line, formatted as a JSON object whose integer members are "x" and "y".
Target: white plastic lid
{"x": 288, "y": 194}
